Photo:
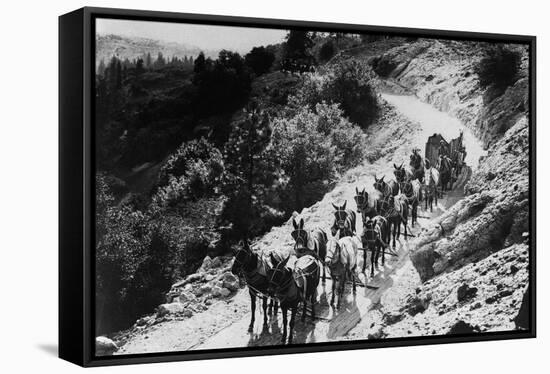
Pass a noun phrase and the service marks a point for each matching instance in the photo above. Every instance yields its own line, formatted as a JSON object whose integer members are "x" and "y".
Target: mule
{"x": 310, "y": 242}
{"x": 430, "y": 187}
{"x": 365, "y": 207}
{"x": 402, "y": 173}
{"x": 386, "y": 188}
{"x": 344, "y": 221}
{"x": 253, "y": 268}
{"x": 342, "y": 261}
{"x": 412, "y": 195}
{"x": 374, "y": 240}
{"x": 445, "y": 173}
{"x": 292, "y": 286}
{"x": 396, "y": 212}
{"x": 417, "y": 166}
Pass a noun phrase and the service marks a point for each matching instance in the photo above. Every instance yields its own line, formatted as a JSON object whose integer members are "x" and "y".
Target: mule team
{"x": 272, "y": 281}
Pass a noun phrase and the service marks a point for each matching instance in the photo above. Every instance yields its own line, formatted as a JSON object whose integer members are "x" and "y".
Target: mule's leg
{"x": 324, "y": 272}
{"x": 284, "y": 310}
{"x": 352, "y": 274}
{"x": 264, "y": 307}
{"x": 292, "y": 320}
{"x": 252, "y": 311}
{"x": 275, "y": 308}
{"x": 333, "y": 288}
{"x": 304, "y": 310}
{"x": 313, "y": 300}
{"x": 372, "y": 262}
{"x": 364, "y": 258}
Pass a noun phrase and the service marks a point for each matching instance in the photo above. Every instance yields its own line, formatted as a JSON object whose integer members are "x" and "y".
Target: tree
{"x": 327, "y": 51}
{"x": 160, "y": 62}
{"x": 296, "y": 53}
{"x": 259, "y": 59}
{"x": 249, "y": 165}
{"x": 148, "y": 61}
{"x": 101, "y": 68}
{"x": 200, "y": 64}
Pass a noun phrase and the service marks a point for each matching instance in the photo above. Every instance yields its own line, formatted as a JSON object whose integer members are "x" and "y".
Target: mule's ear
{"x": 363, "y": 190}
{"x": 246, "y": 244}
{"x": 337, "y": 235}
{"x": 294, "y": 224}
{"x": 395, "y": 166}
{"x": 335, "y": 207}
{"x": 375, "y": 179}
{"x": 284, "y": 262}
{"x": 356, "y": 191}
{"x": 301, "y": 223}
{"x": 382, "y": 179}
{"x": 344, "y": 206}
{"x": 274, "y": 260}
{"x": 400, "y": 166}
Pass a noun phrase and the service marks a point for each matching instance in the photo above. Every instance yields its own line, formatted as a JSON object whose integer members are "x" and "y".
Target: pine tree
{"x": 296, "y": 53}
{"x": 101, "y": 68}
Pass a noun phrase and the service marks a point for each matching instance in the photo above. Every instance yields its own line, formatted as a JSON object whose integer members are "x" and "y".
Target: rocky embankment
{"x": 474, "y": 258}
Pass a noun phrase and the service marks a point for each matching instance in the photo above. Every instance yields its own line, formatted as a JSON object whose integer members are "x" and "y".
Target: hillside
{"x": 123, "y": 48}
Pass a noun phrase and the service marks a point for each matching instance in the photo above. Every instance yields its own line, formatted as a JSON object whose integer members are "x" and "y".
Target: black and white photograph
{"x": 261, "y": 187}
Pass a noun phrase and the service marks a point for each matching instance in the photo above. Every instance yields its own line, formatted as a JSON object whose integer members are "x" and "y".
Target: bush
{"x": 138, "y": 257}
{"x": 347, "y": 83}
{"x": 499, "y": 67}
{"x": 196, "y": 166}
{"x": 307, "y": 158}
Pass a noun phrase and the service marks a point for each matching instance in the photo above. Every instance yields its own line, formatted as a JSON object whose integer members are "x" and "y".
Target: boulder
{"x": 206, "y": 263}
{"x": 522, "y": 319}
{"x": 104, "y": 346}
{"x": 185, "y": 297}
{"x": 461, "y": 327}
{"x": 218, "y": 291}
{"x": 216, "y": 262}
{"x": 172, "y": 308}
{"x": 465, "y": 292}
{"x": 230, "y": 281}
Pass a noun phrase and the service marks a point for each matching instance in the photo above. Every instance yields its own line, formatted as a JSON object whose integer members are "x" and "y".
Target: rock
{"x": 392, "y": 318}
{"x": 475, "y": 306}
{"x": 230, "y": 281}
{"x": 195, "y": 277}
{"x": 172, "y": 308}
{"x": 379, "y": 334}
{"x": 218, "y": 291}
{"x": 206, "y": 263}
{"x": 417, "y": 305}
{"x": 225, "y": 292}
{"x": 513, "y": 269}
{"x": 105, "y": 346}
{"x": 185, "y": 297}
{"x": 143, "y": 321}
{"x": 204, "y": 289}
{"x": 505, "y": 293}
{"x": 461, "y": 327}
{"x": 187, "y": 313}
{"x": 216, "y": 263}
{"x": 465, "y": 292}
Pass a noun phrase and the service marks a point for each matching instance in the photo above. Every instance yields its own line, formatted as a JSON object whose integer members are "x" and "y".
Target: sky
{"x": 207, "y": 37}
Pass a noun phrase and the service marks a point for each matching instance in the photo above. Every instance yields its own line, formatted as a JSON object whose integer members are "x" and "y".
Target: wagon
{"x": 432, "y": 148}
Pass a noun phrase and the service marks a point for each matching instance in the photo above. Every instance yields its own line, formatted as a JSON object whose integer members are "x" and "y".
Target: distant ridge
{"x": 133, "y": 47}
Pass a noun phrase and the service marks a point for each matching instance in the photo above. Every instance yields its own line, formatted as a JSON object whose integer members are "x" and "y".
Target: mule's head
{"x": 278, "y": 274}
{"x": 244, "y": 258}
{"x": 379, "y": 184}
{"x": 340, "y": 216}
{"x": 399, "y": 172}
{"x": 333, "y": 249}
{"x": 361, "y": 199}
{"x": 299, "y": 235}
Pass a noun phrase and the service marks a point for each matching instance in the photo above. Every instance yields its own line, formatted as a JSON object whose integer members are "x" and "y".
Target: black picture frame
{"x": 76, "y": 185}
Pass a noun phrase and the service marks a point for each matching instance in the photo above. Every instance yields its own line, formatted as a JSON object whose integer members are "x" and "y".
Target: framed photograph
{"x": 237, "y": 186}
